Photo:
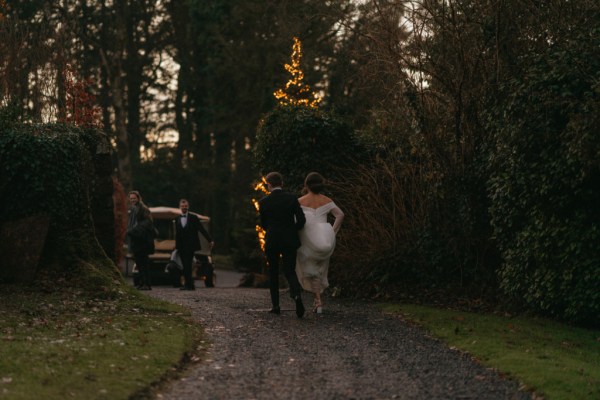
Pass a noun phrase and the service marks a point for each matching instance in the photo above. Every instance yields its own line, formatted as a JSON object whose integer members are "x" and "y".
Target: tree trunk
{"x": 133, "y": 74}
{"x": 114, "y": 72}
{"x": 123, "y": 150}
{"x": 183, "y": 128}
{"x": 221, "y": 198}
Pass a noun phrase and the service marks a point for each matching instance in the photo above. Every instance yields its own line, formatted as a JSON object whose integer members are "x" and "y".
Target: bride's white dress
{"x": 318, "y": 242}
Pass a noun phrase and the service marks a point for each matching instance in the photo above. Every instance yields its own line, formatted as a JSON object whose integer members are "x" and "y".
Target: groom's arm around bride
{"x": 282, "y": 217}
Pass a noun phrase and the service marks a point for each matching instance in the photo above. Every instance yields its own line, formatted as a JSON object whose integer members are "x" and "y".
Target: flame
{"x": 260, "y": 232}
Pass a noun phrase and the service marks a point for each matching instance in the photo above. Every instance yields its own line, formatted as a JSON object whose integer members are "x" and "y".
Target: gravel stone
{"x": 351, "y": 351}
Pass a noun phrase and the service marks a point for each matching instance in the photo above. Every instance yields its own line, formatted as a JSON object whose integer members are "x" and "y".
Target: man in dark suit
{"x": 282, "y": 217}
{"x": 187, "y": 241}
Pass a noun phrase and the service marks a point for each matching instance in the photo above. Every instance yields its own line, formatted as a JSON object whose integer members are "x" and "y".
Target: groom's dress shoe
{"x": 299, "y": 307}
{"x": 275, "y": 310}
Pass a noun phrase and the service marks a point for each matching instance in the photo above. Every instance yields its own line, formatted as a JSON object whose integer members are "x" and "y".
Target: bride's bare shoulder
{"x": 303, "y": 200}
{"x": 320, "y": 201}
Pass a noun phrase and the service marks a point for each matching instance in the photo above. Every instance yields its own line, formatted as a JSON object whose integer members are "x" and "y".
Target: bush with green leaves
{"x": 296, "y": 140}
{"x": 48, "y": 170}
{"x": 545, "y": 181}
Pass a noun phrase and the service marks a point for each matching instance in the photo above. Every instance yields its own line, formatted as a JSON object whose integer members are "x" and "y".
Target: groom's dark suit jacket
{"x": 281, "y": 217}
{"x": 187, "y": 239}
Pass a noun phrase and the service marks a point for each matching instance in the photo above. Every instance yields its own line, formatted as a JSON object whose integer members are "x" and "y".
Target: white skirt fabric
{"x": 312, "y": 261}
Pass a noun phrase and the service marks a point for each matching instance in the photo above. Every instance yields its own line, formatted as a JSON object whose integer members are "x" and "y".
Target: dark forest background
{"x": 478, "y": 176}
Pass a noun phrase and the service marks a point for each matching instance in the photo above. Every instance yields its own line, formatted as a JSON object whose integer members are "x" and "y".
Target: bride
{"x": 317, "y": 237}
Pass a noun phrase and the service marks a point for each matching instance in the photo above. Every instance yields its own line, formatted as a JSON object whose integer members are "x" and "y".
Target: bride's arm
{"x": 339, "y": 217}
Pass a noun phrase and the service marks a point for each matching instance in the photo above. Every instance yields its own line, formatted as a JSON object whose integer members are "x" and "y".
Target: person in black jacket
{"x": 282, "y": 217}
{"x": 141, "y": 244}
{"x": 187, "y": 241}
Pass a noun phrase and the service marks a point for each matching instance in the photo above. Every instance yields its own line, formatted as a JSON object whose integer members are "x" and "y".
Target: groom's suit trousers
{"x": 288, "y": 261}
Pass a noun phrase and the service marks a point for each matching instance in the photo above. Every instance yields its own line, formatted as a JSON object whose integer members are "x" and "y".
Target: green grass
{"x": 554, "y": 359}
{"x": 63, "y": 345}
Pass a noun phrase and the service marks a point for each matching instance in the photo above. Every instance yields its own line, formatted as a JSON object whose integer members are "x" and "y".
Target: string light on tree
{"x": 260, "y": 232}
{"x": 296, "y": 92}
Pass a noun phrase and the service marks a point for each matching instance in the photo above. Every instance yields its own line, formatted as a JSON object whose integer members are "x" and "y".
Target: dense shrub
{"x": 411, "y": 228}
{"x": 295, "y": 140}
{"x": 49, "y": 169}
{"x": 44, "y": 168}
{"x": 545, "y": 180}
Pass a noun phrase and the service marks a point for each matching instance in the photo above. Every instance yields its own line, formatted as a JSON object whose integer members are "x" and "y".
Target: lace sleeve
{"x": 339, "y": 217}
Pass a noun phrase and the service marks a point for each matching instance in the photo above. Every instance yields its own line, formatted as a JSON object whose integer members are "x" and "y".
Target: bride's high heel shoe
{"x": 318, "y": 308}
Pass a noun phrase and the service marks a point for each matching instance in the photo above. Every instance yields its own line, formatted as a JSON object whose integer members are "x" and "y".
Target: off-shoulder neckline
{"x": 312, "y": 208}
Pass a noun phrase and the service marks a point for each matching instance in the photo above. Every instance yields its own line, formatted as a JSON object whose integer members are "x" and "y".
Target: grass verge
{"x": 65, "y": 345}
{"x": 556, "y": 360}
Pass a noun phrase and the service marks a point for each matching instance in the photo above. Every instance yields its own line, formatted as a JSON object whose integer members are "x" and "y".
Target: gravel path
{"x": 351, "y": 351}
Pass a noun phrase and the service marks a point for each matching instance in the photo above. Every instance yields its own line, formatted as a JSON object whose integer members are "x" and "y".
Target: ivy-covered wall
{"x": 62, "y": 172}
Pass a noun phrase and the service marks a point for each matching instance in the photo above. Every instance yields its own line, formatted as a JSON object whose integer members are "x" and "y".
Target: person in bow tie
{"x": 282, "y": 217}
{"x": 187, "y": 241}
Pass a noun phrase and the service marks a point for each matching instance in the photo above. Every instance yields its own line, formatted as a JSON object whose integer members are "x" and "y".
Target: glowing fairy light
{"x": 260, "y": 232}
{"x": 262, "y": 186}
{"x": 296, "y": 92}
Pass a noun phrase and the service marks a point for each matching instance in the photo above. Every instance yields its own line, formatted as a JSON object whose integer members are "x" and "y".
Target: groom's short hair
{"x": 274, "y": 179}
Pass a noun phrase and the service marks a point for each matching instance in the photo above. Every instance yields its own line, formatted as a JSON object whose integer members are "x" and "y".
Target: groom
{"x": 282, "y": 217}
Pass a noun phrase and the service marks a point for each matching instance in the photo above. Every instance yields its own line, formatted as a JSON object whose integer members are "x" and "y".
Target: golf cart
{"x": 162, "y": 269}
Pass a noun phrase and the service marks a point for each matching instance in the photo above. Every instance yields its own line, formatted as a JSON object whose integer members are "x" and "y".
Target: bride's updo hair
{"x": 315, "y": 182}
